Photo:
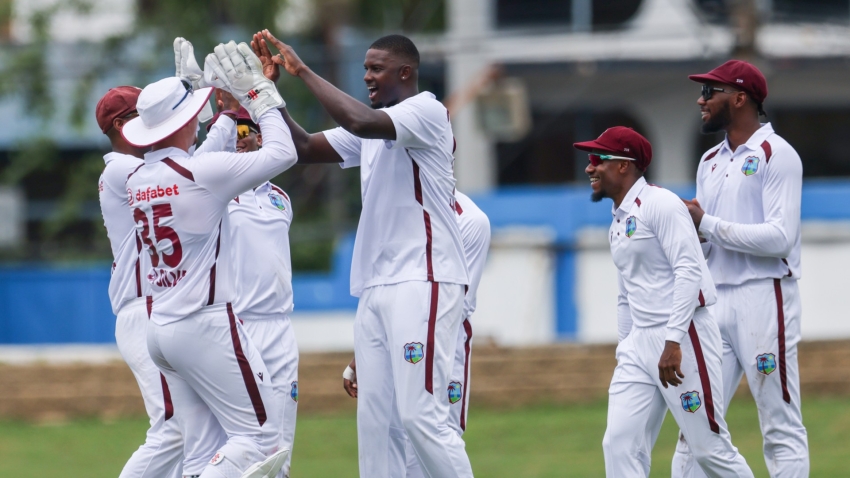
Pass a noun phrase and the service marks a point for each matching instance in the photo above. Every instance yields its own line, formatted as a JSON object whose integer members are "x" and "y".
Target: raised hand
{"x": 185, "y": 66}
{"x": 240, "y": 72}
{"x": 287, "y": 57}
{"x": 224, "y": 101}
{"x": 270, "y": 69}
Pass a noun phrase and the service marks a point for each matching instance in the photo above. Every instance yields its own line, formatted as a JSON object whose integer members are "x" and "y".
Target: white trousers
{"x": 403, "y": 460}
{"x": 213, "y": 369}
{"x": 637, "y": 402}
{"x": 275, "y": 339}
{"x": 161, "y": 455}
{"x": 760, "y": 327}
{"x": 405, "y": 338}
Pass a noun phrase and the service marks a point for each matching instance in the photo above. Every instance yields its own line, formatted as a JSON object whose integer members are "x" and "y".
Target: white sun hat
{"x": 164, "y": 107}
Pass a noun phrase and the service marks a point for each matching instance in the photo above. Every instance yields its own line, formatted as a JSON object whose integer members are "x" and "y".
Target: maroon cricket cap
{"x": 621, "y": 141}
{"x": 740, "y": 74}
{"x": 116, "y": 103}
{"x": 242, "y": 117}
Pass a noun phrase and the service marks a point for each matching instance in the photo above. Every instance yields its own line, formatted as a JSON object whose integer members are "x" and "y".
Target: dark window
{"x": 837, "y": 11}
{"x": 604, "y": 13}
{"x": 819, "y": 136}
{"x": 512, "y": 13}
{"x": 814, "y": 10}
{"x": 546, "y": 155}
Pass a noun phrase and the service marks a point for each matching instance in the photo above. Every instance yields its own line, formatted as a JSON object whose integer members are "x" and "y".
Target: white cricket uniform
{"x": 209, "y": 362}
{"x": 259, "y": 229}
{"x": 664, "y": 287}
{"x": 751, "y": 200}
{"x": 410, "y": 273}
{"x": 475, "y": 232}
{"x": 162, "y": 453}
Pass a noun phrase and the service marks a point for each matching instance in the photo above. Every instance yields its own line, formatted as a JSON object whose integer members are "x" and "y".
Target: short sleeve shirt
{"x": 408, "y": 229}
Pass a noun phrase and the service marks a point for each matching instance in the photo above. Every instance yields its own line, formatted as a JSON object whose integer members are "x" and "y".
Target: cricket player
{"x": 408, "y": 268}
{"x": 475, "y": 231}
{"x": 669, "y": 350}
{"x": 747, "y": 212}
{"x": 162, "y": 453}
{"x": 179, "y": 205}
{"x": 260, "y": 219}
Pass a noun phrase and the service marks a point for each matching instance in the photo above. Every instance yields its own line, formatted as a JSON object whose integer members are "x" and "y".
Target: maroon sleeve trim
{"x": 768, "y": 151}
{"x": 134, "y": 171}
{"x": 179, "y": 169}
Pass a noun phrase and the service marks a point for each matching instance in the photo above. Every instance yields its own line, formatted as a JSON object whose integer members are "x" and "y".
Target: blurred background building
{"x": 523, "y": 80}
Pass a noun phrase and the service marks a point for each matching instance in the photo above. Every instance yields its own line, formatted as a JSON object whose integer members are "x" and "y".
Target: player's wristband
{"x": 348, "y": 374}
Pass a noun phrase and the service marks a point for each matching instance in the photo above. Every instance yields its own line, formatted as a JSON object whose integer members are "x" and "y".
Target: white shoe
{"x": 269, "y": 467}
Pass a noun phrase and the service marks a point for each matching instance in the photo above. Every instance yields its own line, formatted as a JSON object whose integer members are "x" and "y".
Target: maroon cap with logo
{"x": 621, "y": 141}
{"x": 242, "y": 117}
{"x": 116, "y": 103}
{"x": 740, "y": 74}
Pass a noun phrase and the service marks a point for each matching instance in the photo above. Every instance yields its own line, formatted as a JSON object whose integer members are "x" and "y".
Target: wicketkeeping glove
{"x": 240, "y": 72}
{"x": 185, "y": 64}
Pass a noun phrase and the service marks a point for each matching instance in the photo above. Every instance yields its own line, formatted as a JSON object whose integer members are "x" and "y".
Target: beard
{"x": 717, "y": 122}
{"x": 598, "y": 196}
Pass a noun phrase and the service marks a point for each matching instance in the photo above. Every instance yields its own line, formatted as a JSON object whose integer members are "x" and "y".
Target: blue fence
{"x": 40, "y": 304}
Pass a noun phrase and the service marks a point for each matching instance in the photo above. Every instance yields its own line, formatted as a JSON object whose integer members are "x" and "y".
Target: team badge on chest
{"x": 691, "y": 401}
{"x": 751, "y": 166}
{"x": 631, "y": 226}
{"x": 455, "y": 392}
{"x": 277, "y": 201}
{"x": 413, "y": 352}
{"x": 766, "y": 363}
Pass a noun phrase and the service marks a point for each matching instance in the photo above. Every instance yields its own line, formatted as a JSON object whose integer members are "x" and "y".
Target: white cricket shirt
{"x": 407, "y": 230}
{"x": 180, "y": 207}
{"x": 475, "y": 233}
{"x": 662, "y": 274}
{"x": 128, "y": 268}
{"x": 751, "y": 200}
{"x": 259, "y": 230}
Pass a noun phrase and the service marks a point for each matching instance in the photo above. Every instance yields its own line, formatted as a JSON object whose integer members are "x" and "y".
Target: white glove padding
{"x": 241, "y": 73}
{"x": 185, "y": 64}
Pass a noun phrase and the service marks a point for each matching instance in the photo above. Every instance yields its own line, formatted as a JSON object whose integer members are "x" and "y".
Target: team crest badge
{"x": 277, "y": 201}
{"x": 766, "y": 363}
{"x": 691, "y": 401}
{"x": 293, "y": 393}
{"x": 631, "y": 226}
{"x": 751, "y": 166}
{"x": 413, "y": 352}
{"x": 455, "y": 392}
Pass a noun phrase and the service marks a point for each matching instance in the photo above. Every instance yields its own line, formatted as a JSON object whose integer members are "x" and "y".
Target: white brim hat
{"x": 164, "y": 108}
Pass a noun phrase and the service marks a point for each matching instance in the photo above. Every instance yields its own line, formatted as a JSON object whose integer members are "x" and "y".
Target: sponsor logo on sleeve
{"x": 293, "y": 392}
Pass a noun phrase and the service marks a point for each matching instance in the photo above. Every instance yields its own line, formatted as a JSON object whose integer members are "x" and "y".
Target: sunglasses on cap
{"x": 596, "y": 159}
{"x": 243, "y": 130}
{"x": 708, "y": 91}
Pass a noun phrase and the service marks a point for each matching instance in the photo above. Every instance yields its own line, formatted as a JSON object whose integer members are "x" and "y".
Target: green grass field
{"x": 563, "y": 441}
